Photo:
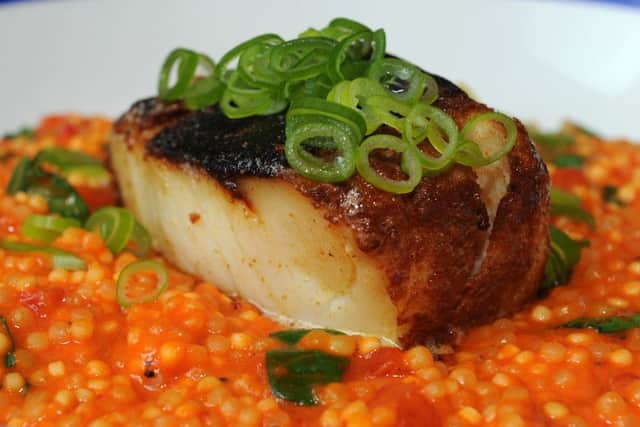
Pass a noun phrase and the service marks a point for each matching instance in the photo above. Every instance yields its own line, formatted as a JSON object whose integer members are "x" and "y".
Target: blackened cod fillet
{"x": 465, "y": 247}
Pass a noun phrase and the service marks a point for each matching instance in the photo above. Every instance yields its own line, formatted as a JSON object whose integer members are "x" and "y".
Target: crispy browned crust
{"x": 426, "y": 241}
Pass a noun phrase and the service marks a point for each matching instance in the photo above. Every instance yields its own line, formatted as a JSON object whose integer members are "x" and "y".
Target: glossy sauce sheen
{"x": 195, "y": 357}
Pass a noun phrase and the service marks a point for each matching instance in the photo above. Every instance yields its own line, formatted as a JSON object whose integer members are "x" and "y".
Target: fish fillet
{"x": 220, "y": 201}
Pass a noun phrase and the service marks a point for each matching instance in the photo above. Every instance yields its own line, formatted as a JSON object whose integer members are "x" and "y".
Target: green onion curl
{"x": 410, "y": 164}
{"x": 141, "y": 266}
{"x": 469, "y": 152}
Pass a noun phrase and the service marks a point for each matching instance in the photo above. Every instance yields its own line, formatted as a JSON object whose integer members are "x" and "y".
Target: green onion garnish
{"x": 76, "y": 162}
{"x": 62, "y": 198}
{"x": 142, "y": 266}
{"x": 118, "y": 227}
{"x": 340, "y": 87}
{"x": 46, "y": 228}
{"x": 606, "y": 325}
{"x": 10, "y": 357}
{"x": 569, "y": 160}
{"x": 470, "y": 153}
{"x": 25, "y": 132}
{"x": 293, "y": 336}
{"x": 563, "y": 203}
{"x": 410, "y": 164}
{"x": 292, "y": 373}
{"x": 564, "y": 255}
{"x": 61, "y": 259}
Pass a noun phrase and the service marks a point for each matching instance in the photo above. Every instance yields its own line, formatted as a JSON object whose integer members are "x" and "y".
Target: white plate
{"x": 540, "y": 61}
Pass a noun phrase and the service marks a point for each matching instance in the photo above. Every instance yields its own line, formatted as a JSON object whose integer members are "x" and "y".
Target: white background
{"x": 542, "y": 61}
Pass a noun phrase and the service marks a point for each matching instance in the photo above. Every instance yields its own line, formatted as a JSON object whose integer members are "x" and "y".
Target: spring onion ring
{"x": 60, "y": 259}
{"x": 339, "y": 86}
{"x": 118, "y": 227}
{"x": 410, "y": 162}
{"x": 46, "y": 228}
{"x": 469, "y": 152}
{"x": 141, "y": 266}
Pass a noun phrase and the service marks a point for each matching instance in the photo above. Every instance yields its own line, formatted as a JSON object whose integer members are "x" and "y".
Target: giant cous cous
{"x": 74, "y": 351}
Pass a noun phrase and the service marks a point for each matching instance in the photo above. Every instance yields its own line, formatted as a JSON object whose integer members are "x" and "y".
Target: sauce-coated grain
{"x": 196, "y": 357}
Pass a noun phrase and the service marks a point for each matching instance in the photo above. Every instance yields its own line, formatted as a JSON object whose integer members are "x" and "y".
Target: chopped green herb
{"x": 59, "y": 258}
{"x": 292, "y": 373}
{"x": 606, "y": 325}
{"x": 610, "y": 195}
{"x": 569, "y": 160}
{"x": 551, "y": 140}
{"x": 10, "y": 357}
{"x": 564, "y": 255}
{"x": 567, "y": 204}
{"x": 25, "y": 132}
{"x": 293, "y": 336}
{"x": 62, "y": 198}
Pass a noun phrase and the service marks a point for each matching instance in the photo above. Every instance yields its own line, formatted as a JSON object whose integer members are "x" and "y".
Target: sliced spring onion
{"x": 426, "y": 121}
{"x": 20, "y": 176}
{"x": 606, "y": 325}
{"x": 381, "y": 110}
{"x": 302, "y": 59}
{"x": 203, "y": 90}
{"x": 293, "y": 336}
{"x": 292, "y": 373}
{"x": 410, "y": 164}
{"x": 10, "y": 356}
{"x": 569, "y": 160}
{"x": 61, "y": 259}
{"x": 185, "y": 62}
{"x": 142, "y": 266}
{"x": 469, "y": 152}
{"x": 73, "y": 162}
{"x": 141, "y": 240}
{"x": 564, "y": 255}
{"x": 347, "y": 25}
{"x": 63, "y": 158}
{"x": 405, "y": 82}
{"x": 563, "y": 203}
{"x": 339, "y": 86}
{"x": 46, "y": 228}
{"x": 118, "y": 227}
{"x": 358, "y": 46}
{"x": 222, "y": 69}
{"x": 61, "y": 197}
{"x": 320, "y": 107}
{"x": 25, "y": 132}
{"x": 254, "y": 65}
{"x": 335, "y": 135}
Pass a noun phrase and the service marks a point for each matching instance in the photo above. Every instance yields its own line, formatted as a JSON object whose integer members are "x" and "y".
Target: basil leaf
{"x": 569, "y": 160}
{"x": 293, "y": 336}
{"x": 292, "y": 373}
{"x": 610, "y": 195}
{"x": 62, "y": 198}
{"x": 564, "y": 255}
{"x": 606, "y": 325}
{"x": 10, "y": 357}
{"x": 563, "y": 203}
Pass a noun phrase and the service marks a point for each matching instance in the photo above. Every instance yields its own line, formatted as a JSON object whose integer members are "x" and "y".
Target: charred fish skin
{"x": 465, "y": 247}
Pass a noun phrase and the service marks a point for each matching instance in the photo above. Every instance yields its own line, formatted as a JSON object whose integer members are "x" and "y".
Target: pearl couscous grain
{"x": 197, "y": 357}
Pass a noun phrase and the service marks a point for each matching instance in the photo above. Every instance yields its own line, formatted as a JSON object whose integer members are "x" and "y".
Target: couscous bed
{"x": 75, "y": 356}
